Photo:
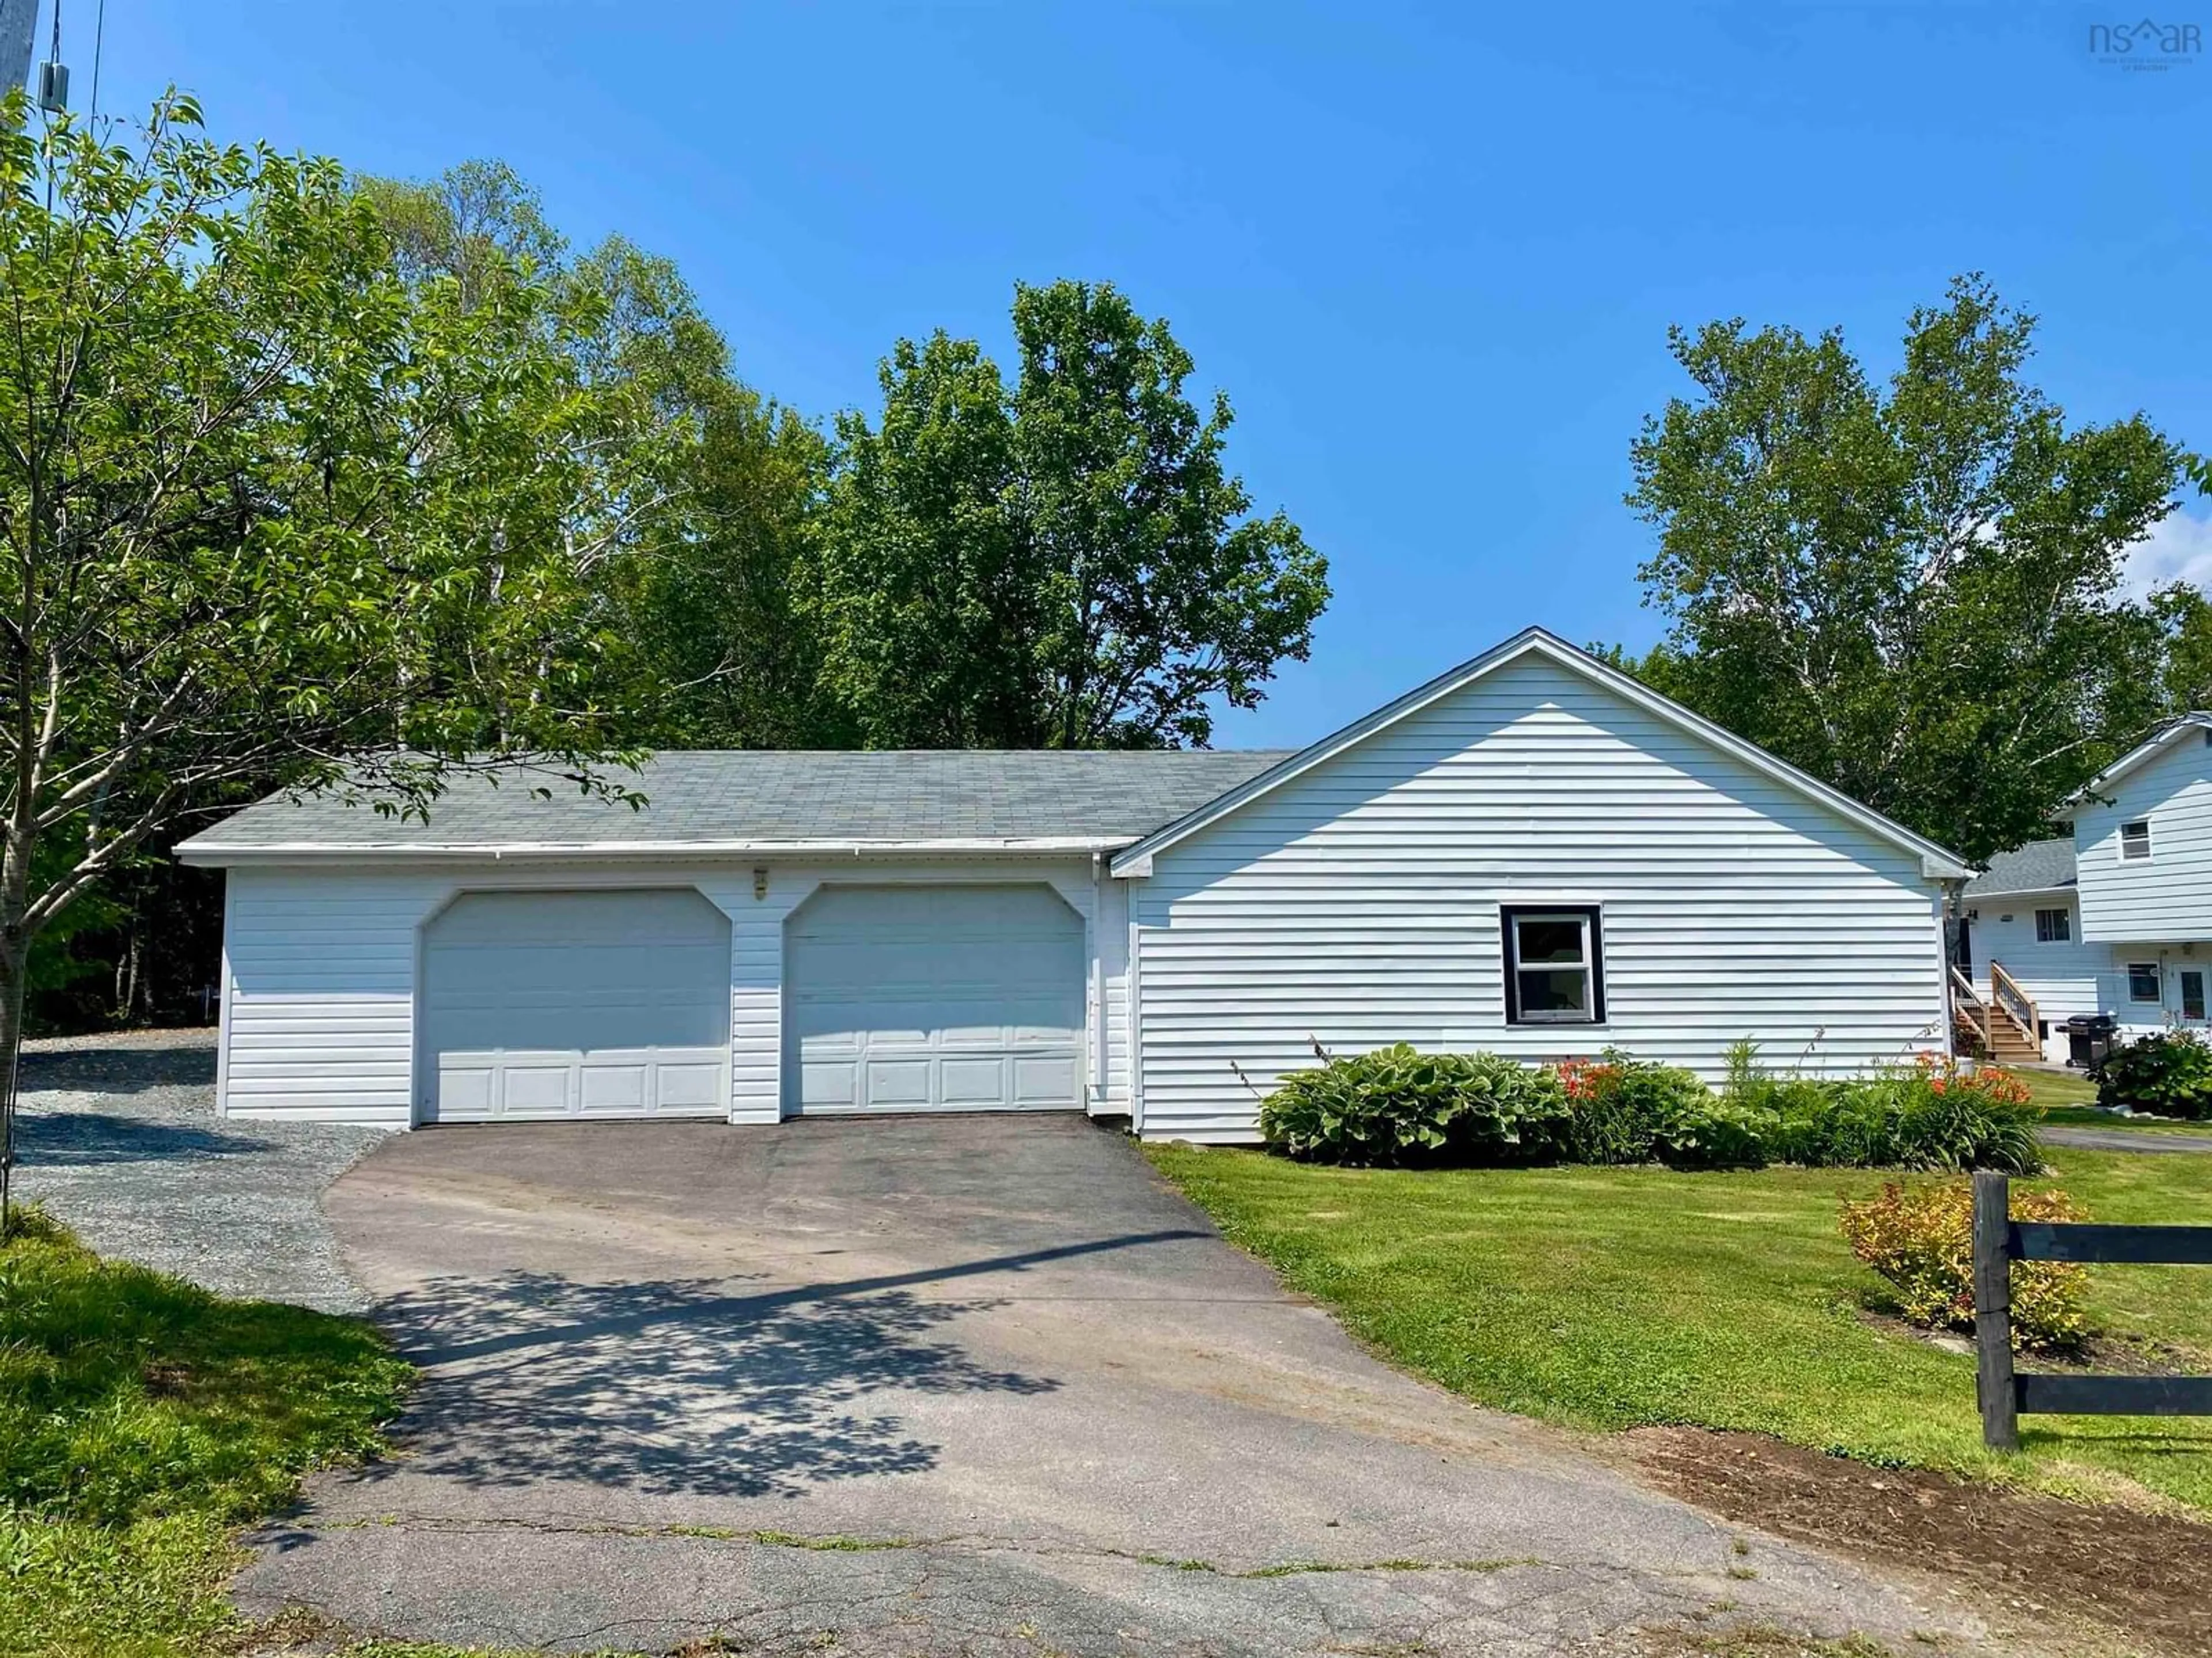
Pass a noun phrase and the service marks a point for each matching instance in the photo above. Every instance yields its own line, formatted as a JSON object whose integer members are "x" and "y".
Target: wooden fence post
{"x": 1993, "y": 1380}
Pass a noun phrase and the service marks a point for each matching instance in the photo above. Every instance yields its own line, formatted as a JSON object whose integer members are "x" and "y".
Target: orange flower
{"x": 1584, "y": 1079}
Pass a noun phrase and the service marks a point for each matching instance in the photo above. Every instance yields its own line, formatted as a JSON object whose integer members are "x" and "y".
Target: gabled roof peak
{"x": 1937, "y": 863}
{"x": 2159, "y": 739}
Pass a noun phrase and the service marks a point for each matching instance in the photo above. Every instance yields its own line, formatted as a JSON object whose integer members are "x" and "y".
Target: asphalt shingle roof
{"x": 2038, "y": 866}
{"x": 777, "y": 796}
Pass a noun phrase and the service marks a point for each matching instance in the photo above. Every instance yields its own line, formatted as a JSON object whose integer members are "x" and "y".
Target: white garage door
{"x": 933, "y": 998}
{"x": 539, "y": 1005}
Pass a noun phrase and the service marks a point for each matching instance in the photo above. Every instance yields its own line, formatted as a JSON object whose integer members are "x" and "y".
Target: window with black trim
{"x": 2135, "y": 841}
{"x": 1554, "y": 958}
{"x": 2142, "y": 981}
{"x": 2054, "y": 927}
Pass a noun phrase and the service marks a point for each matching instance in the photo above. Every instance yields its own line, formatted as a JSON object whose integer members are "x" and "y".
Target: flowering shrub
{"x": 1585, "y": 1079}
{"x": 1630, "y": 1110}
{"x": 1934, "y": 1115}
{"x": 1920, "y": 1240}
{"x": 2168, "y": 1074}
{"x": 1986, "y": 1082}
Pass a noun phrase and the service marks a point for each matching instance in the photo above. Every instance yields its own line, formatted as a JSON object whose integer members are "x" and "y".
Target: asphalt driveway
{"x": 949, "y": 1385}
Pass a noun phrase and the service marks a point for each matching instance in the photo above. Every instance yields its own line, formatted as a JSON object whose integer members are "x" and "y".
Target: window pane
{"x": 1550, "y": 941}
{"x": 2135, "y": 840}
{"x": 2053, "y": 926}
{"x": 2142, "y": 981}
{"x": 1555, "y": 992}
{"x": 2192, "y": 994}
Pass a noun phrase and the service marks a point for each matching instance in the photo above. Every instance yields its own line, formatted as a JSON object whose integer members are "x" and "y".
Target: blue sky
{"x": 1431, "y": 253}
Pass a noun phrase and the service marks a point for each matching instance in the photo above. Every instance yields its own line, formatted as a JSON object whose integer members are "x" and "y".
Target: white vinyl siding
{"x": 2168, "y": 894}
{"x": 319, "y": 995}
{"x": 1359, "y": 905}
{"x": 2077, "y": 977}
{"x": 2061, "y": 977}
{"x": 320, "y": 963}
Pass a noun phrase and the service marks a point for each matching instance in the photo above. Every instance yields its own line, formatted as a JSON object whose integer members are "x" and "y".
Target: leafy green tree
{"x": 1065, "y": 562}
{"x": 706, "y": 491}
{"x": 1912, "y": 591}
{"x": 268, "y": 510}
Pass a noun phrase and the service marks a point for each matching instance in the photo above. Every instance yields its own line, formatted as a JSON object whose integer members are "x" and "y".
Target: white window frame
{"x": 2054, "y": 927}
{"x": 2157, "y": 977}
{"x": 1589, "y": 918}
{"x": 2143, "y": 856}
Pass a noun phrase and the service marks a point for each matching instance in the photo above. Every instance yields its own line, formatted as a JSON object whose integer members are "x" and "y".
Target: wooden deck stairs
{"x": 2000, "y": 1024}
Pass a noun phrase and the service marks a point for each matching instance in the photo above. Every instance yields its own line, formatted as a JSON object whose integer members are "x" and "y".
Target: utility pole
{"x": 19, "y": 29}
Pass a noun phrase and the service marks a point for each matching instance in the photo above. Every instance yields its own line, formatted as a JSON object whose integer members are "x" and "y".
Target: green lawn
{"x": 1618, "y": 1297}
{"x": 141, "y": 1420}
{"x": 2056, "y": 1091}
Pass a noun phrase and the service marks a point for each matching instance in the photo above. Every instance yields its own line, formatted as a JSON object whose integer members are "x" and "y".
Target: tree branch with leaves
{"x": 271, "y": 513}
{"x": 1913, "y": 591}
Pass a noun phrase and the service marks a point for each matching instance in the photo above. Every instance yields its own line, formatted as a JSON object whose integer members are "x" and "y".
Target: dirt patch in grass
{"x": 2146, "y": 1577}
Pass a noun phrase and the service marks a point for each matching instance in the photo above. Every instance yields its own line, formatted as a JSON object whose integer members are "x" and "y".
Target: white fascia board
{"x": 1936, "y": 863}
{"x": 216, "y": 854}
{"x": 2143, "y": 752}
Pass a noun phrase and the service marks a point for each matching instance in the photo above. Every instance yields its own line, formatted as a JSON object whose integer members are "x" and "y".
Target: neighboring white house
{"x": 2117, "y": 919}
{"x": 1533, "y": 853}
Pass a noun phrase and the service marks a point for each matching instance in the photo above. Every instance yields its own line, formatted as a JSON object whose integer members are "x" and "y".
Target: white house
{"x": 2117, "y": 918}
{"x": 1532, "y": 853}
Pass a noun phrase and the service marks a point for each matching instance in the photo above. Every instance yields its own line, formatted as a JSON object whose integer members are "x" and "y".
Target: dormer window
{"x": 2135, "y": 841}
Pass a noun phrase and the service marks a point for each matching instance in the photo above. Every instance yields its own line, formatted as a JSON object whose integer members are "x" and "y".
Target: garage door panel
{"x": 972, "y": 1084}
{"x": 537, "y": 1089}
{"x": 920, "y": 998}
{"x": 614, "y": 1087}
{"x": 465, "y": 1091}
{"x": 897, "y": 1084}
{"x": 603, "y": 1003}
{"x": 690, "y": 1087}
{"x": 1043, "y": 1081}
{"x": 831, "y": 1085}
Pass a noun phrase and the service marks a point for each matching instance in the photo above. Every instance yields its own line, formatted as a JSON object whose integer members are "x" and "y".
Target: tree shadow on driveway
{"x": 687, "y": 1386}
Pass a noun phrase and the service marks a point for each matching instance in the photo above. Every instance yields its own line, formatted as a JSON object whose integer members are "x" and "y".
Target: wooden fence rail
{"x": 2004, "y": 1394}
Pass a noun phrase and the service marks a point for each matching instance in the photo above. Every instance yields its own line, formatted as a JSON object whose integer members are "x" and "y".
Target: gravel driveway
{"x": 119, "y": 1139}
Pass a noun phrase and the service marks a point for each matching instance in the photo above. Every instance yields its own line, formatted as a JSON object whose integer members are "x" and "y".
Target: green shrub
{"x": 1398, "y": 1107}
{"x": 2168, "y": 1074}
{"x": 1921, "y": 1241}
{"x": 1932, "y": 1115}
{"x": 1716, "y": 1133}
{"x": 1957, "y": 1128}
